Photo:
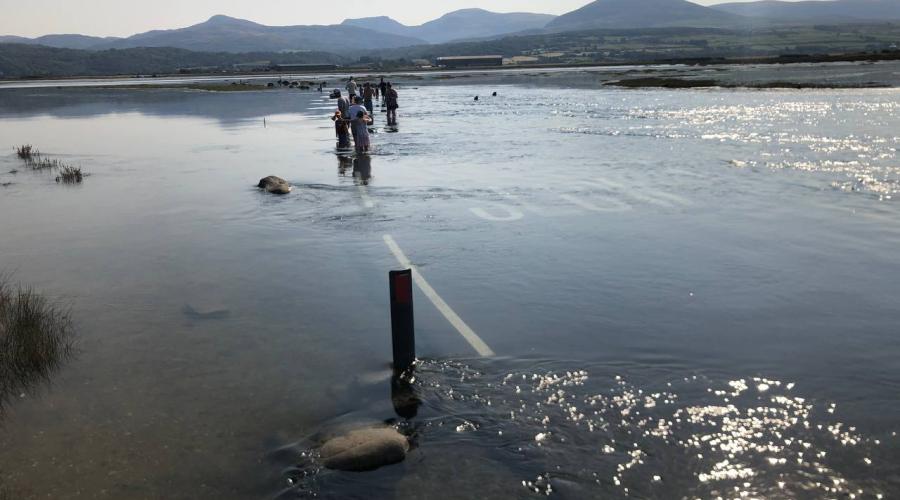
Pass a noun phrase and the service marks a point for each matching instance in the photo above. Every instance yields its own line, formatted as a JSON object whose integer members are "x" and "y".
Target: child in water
{"x": 341, "y": 130}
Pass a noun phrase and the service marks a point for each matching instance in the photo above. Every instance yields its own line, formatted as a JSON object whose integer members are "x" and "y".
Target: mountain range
{"x": 816, "y": 11}
{"x": 227, "y": 34}
{"x": 461, "y": 24}
{"x": 617, "y": 14}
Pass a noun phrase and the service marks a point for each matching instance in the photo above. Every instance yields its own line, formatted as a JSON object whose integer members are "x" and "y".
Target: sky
{"x": 126, "y": 17}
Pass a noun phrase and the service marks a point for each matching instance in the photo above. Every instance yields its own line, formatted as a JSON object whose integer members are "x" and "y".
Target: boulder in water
{"x": 275, "y": 185}
{"x": 365, "y": 449}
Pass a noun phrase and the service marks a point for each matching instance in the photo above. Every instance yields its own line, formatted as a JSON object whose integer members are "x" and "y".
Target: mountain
{"x": 458, "y": 25}
{"x": 14, "y": 39}
{"x": 60, "y": 41}
{"x": 383, "y": 24}
{"x": 227, "y": 34}
{"x": 630, "y": 14}
{"x": 817, "y": 10}
{"x": 30, "y": 60}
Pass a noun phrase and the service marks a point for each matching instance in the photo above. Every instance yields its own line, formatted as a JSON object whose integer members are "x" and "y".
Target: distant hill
{"x": 14, "y": 39}
{"x": 631, "y": 14}
{"x": 383, "y": 24}
{"x": 60, "y": 41}
{"x": 817, "y": 11}
{"x": 29, "y": 60}
{"x": 458, "y": 25}
{"x": 227, "y": 34}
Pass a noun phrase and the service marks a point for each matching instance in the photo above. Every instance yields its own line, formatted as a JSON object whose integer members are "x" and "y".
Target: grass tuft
{"x": 69, "y": 175}
{"x": 36, "y": 161}
{"x": 36, "y": 337}
{"x": 27, "y": 152}
{"x": 40, "y": 163}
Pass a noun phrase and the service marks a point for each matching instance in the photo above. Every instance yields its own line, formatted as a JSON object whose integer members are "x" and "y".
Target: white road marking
{"x": 641, "y": 194}
{"x": 617, "y": 206}
{"x": 514, "y": 214}
{"x": 471, "y": 337}
{"x": 525, "y": 205}
{"x": 630, "y": 194}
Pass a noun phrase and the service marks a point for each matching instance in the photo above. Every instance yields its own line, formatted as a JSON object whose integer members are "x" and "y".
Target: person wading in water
{"x": 392, "y": 105}
{"x": 354, "y": 111}
{"x": 361, "y": 131}
{"x": 368, "y": 95}
{"x": 351, "y": 88}
{"x": 343, "y": 105}
{"x": 341, "y": 130}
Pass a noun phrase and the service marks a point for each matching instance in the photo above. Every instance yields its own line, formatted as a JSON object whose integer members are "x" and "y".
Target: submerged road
{"x": 616, "y": 245}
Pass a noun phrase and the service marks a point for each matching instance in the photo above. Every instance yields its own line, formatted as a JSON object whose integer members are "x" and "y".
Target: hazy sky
{"x": 127, "y": 17}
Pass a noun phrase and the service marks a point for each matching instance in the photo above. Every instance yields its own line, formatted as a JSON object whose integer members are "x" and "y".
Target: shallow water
{"x": 709, "y": 276}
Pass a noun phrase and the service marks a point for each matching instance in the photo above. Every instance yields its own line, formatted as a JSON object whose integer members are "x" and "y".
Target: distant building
{"x": 303, "y": 67}
{"x": 251, "y": 66}
{"x": 469, "y": 61}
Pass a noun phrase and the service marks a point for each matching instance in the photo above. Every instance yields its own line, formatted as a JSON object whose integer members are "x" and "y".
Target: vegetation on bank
{"x": 36, "y": 337}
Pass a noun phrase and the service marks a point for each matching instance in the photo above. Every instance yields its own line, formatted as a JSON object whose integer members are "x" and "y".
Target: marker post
{"x": 402, "y": 324}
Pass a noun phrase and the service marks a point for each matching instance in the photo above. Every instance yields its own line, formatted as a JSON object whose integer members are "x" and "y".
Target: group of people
{"x": 356, "y": 111}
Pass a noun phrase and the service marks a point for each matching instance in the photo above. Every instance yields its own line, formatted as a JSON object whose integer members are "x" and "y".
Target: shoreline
{"x": 784, "y": 59}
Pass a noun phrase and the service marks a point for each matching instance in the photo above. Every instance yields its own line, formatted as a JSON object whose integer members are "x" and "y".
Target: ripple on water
{"x": 575, "y": 435}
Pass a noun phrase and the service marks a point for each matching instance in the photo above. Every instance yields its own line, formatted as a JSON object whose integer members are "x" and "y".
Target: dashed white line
{"x": 471, "y": 337}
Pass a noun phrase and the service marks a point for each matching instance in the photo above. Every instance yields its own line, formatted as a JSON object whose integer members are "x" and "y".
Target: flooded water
{"x": 690, "y": 294}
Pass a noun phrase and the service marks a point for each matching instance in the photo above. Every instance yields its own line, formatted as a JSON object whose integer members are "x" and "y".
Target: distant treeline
{"x": 35, "y": 61}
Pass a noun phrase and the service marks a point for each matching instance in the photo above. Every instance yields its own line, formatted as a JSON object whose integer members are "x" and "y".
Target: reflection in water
{"x": 345, "y": 163}
{"x": 35, "y": 339}
{"x": 573, "y": 434}
{"x": 404, "y": 397}
{"x": 362, "y": 168}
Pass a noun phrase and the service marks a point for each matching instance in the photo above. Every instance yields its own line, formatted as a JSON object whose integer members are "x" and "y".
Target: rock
{"x": 365, "y": 449}
{"x": 275, "y": 185}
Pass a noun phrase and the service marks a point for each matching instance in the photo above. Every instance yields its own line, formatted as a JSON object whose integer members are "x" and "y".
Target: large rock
{"x": 365, "y": 449}
{"x": 275, "y": 185}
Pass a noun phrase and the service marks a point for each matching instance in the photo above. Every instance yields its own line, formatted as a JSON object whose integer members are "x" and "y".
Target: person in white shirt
{"x": 351, "y": 89}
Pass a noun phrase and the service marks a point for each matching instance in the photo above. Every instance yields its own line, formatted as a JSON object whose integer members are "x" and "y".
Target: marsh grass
{"x": 38, "y": 162}
{"x": 69, "y": 174}
{"x": 26, "y": 151}
{"x": 36, "y": 337}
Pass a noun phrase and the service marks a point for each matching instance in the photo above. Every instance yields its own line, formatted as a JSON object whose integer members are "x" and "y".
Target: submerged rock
{"x": 365, "y": 449}
{"x": 275, "y": 185}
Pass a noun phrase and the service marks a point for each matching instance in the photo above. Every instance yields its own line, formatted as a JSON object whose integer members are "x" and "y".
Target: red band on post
{"x": 403, "y": 288}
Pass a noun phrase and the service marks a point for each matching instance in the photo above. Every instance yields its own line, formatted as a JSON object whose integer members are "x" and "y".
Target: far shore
{"x": 366, "y": 72}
